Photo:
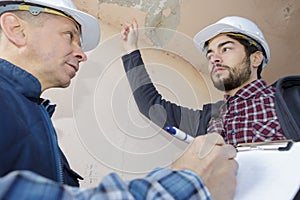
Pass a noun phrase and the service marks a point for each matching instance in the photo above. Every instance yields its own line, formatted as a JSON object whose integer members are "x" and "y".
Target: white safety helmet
{"x": 90, "y": 28}
{"x": 233, "y": 24}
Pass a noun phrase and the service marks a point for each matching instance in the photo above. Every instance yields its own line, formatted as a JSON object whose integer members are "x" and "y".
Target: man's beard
{"x": 235, "y": 78}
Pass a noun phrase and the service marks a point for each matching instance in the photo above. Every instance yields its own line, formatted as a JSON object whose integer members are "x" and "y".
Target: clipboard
{"x": 268, "y": 172}
{"x": 279, "y": 145}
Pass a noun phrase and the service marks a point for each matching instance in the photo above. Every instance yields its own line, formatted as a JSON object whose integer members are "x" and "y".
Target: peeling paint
{"x": 159, "y": 14}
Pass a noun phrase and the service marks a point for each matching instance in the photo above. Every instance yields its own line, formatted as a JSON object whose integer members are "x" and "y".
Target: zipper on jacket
{"x": 54, "y": 144}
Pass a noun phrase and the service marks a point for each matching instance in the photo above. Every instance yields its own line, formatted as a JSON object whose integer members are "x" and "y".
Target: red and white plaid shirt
{"x": 248, "y": 116}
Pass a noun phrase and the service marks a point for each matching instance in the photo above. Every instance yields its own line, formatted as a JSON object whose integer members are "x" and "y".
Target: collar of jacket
{"x": 24, "y": 83}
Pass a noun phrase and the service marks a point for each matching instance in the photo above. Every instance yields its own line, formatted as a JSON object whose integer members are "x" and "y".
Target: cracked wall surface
{"x": 163, "y": 14}
{"x": 160, "y": 14}
{"x": 279, "y": 20}
{"x": 176, "y": 68}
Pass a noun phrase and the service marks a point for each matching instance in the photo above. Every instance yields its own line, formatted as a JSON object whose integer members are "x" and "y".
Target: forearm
{"x": 150, "y": 102}
{"x": 163, "y": 183}
{"x": 169, "y": 184}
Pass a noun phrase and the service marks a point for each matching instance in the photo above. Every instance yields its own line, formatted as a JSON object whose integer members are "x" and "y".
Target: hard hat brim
{"x": 233, "y": 24}
{"x": 90, "y": 28}
{"x": 210, "y": 32}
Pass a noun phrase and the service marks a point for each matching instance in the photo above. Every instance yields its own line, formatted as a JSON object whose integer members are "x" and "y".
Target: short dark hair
{"x": 250, "y": 48}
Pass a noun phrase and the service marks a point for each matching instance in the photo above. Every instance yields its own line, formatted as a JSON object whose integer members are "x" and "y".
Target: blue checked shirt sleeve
{"x": 159, "y": 184}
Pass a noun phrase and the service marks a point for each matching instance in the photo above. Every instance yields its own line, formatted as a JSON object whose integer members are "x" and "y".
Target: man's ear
{"x": 256, "y": 58}
{"x": 13, "y": 28}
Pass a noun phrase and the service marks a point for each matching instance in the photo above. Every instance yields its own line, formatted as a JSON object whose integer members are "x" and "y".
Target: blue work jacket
{"x": 28, "y": 139}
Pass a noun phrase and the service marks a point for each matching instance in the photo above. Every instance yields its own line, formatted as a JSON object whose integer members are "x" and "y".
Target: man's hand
{"x": 214, "y": 162}
{"x": 129, "y": 34}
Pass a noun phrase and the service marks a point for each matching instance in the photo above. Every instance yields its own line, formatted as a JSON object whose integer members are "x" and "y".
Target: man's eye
{"x": 69, "y": 35}
{"x": 225, "y": 49}
{"x": 208, "y": 56}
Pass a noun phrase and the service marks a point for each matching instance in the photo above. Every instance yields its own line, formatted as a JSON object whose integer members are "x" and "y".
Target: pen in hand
{"x": 179, "y": 134}
{"x": 280, "y": 145}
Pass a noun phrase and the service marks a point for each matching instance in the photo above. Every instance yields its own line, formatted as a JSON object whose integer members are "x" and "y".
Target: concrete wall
{"x": 98, "y": 124}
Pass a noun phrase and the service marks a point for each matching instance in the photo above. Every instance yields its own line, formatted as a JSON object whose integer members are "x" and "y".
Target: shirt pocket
{"x": 266, "y": 130}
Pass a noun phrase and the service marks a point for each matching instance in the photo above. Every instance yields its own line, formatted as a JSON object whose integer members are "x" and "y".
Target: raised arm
{"x": 149, "y": 101}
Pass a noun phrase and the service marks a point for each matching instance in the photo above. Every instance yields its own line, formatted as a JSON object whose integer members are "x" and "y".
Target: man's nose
{"x": 216, "y": 58}
{"x": 80, "y": 55}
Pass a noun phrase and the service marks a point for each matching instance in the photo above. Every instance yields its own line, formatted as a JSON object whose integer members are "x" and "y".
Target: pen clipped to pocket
{"x": 279, "y": 145}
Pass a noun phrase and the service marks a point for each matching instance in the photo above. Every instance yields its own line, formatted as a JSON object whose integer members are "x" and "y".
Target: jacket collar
{"x": 23, "y": 82}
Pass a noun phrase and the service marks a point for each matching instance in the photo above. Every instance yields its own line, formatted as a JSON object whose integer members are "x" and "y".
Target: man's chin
{"x": 66, "y": 84}
{"x": 218, "y": 79}
{"x": 219, "y": 84}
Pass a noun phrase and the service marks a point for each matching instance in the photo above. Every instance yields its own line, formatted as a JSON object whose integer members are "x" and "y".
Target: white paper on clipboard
{"x": 267, "y": 174}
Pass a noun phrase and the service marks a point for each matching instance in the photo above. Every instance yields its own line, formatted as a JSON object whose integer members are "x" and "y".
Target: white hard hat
{"x": 90, "y": 28}
{"x": 232, "y": 24}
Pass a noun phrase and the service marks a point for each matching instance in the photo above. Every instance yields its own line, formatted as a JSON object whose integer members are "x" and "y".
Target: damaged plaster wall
{"x": 112, "y": 136}
{"x": 160, "y": 14}
{"x": 177, "y": 62}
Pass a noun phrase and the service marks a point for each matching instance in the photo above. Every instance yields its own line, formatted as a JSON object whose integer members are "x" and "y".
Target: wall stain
{"x": 160, "y": 14}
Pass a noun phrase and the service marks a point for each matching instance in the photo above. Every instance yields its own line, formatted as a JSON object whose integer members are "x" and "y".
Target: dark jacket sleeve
{"x": 154, "y": 107}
